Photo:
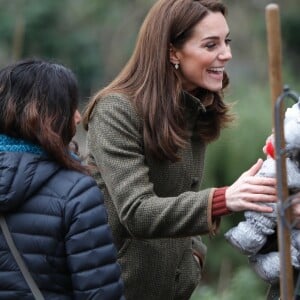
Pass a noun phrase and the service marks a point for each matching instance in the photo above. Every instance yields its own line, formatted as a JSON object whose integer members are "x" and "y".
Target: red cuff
{"x": 219, "y": 204}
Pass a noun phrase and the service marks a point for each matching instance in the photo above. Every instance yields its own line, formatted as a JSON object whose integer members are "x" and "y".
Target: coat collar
{"x": 11, "y": 144}
{"x": 193, "y": 101}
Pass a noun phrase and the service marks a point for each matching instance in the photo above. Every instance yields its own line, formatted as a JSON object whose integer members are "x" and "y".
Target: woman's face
{"x": 203, "y": 57}
{"x": 77, "y": 117}
{"x": 76, "y": 121}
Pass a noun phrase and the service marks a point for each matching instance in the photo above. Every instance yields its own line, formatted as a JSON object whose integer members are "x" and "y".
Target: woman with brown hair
{"x": 147, "y": 134}
{"x": 54, "y": 211}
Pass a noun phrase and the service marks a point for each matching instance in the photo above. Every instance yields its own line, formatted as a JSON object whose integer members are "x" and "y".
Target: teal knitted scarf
{"x": 10, "y": 144}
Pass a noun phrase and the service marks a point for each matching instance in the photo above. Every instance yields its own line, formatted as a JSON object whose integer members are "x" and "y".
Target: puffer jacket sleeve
{"x": 91, "y": 254}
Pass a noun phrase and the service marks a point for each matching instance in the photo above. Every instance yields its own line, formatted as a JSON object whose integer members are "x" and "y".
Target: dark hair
{"x": 38, "y": 100}
{"x": 153, "y": 85}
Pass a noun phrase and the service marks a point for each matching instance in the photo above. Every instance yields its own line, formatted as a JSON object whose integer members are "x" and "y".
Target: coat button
{"x": 195, "y": 181}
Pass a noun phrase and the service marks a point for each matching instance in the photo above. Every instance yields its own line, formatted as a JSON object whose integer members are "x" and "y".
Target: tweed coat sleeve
{"x": 91, "y": 254}
{"x": 116, "y": 144}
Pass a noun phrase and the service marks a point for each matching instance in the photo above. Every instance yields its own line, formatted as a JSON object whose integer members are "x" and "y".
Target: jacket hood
{"x": 22, "y": 174}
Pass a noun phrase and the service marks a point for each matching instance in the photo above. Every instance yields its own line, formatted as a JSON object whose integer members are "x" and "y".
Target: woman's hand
{"x": 248, "y": 192}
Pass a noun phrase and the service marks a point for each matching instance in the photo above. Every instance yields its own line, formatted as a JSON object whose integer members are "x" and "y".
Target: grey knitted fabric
{"x": 251, "y": 235}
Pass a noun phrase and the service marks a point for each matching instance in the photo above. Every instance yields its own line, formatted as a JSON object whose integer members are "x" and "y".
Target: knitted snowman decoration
{"x": 251, "y": 235}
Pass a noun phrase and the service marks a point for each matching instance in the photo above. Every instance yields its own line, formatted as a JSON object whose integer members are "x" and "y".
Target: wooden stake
{"x": 275, "y": 77}
{"x": 274, "y": 50}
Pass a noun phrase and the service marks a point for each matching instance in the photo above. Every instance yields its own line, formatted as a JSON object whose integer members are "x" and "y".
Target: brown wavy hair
{"x": 153, "y": 85}
{"x": 38, "y": 100}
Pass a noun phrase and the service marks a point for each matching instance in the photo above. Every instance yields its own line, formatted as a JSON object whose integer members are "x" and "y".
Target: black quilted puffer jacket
{"x": 59, "y": 224}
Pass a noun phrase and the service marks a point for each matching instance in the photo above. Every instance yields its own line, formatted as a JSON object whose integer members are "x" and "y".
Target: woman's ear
{"x": 173, "y": 55}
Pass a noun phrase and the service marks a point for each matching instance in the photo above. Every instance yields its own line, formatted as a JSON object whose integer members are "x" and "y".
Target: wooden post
{"x": 274, "y": 50}
{"x": 275, "y": 77}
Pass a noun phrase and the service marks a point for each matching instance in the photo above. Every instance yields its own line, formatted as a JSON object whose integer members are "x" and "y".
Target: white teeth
{"x": 217, "y": 69}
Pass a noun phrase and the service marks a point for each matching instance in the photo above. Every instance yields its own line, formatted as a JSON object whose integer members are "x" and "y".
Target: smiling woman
{"x": 203, "y": 57}
{"x": 147, "y": 134}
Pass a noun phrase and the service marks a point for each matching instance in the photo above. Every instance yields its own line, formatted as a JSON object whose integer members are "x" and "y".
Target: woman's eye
{"x": 210, "y": 45}
{"x": 227, "y": 41}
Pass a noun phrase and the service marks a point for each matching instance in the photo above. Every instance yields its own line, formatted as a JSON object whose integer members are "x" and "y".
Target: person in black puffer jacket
{"x": 53, "y": 208}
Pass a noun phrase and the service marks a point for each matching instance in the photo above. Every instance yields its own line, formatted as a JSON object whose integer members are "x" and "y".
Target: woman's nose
{"x": 225, "y": 54}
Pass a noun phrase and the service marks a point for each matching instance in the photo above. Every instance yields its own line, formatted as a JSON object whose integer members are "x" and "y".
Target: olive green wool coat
{"x": 155, "y": 208}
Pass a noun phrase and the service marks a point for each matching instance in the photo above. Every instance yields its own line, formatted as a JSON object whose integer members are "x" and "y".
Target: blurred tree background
{"x": 96, "y": 37}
